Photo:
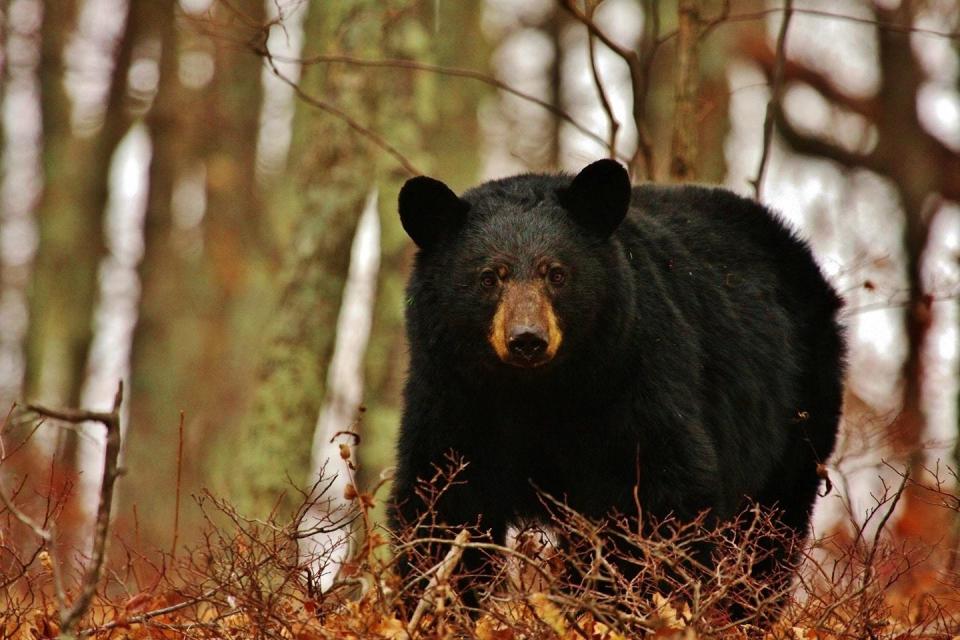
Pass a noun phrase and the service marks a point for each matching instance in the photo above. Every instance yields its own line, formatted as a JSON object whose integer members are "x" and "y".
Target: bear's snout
{"x": 525, "y": 331}
{"x": 527, "y": 343}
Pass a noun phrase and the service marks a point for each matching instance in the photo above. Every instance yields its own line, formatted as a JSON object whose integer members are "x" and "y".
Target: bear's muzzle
{"x": 524, "y": 331}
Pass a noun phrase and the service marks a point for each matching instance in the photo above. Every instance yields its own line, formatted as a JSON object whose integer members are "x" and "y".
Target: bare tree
{"x": 924, "y": 170}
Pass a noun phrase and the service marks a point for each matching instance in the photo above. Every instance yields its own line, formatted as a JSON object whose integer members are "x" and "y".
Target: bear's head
{"x": 515, "y": 272}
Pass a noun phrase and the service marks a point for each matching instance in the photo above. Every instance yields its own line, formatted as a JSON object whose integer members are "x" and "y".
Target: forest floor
{"x": 329, "y": 570}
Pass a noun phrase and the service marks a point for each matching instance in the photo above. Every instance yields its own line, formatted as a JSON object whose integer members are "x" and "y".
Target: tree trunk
{"x": 922, "y": 168}
{"x": 159, "y": 353}
{"x": 234, "y": 238}
{"x": 685, "y": 141}
{"x": 554, "y": 31}
{"x": 415, "y": 97}
{"x": 335, "y": 166}
{"x": 908, "y": 154}
{"x": 76, "y": 189}
{"x": 326, "y": 547}
{"x": 64, "y": 284}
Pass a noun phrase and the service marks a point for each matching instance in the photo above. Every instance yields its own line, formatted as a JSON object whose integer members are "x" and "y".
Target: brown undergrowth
{"x": 569, "y": 578}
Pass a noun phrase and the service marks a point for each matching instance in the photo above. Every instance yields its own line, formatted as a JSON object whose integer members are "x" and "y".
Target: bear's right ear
{"x": 599, "y": 196}
{"x": 429, "y": 210}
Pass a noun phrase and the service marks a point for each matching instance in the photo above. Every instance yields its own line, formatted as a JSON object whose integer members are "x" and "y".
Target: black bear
{"x": 581, "y": 337}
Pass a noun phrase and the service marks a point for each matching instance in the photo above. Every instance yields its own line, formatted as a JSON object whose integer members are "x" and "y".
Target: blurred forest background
{"x": 198, "y": 198}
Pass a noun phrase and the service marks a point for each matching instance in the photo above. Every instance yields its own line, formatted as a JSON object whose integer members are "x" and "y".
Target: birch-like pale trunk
{"x": 115, "y": 317}
{"x": 330, "y": 549}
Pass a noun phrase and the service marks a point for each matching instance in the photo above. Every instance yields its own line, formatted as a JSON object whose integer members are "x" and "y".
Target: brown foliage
{"x": 570, "y": 578}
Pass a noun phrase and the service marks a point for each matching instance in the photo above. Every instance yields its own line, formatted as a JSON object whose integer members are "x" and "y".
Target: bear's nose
{"x": 527, "y": 343}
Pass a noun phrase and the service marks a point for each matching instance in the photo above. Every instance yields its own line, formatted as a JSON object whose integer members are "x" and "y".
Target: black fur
{"x": 429, "y": 210}
{"x": 701, "y": 357}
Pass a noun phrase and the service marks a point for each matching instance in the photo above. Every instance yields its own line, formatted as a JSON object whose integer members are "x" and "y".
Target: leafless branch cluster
{"x": 569, "y": 576}
{"x": 70, "y": 613}
{"x": 693, "y": 26}
{"x": 879, "y": 584}
{"x": 573, "y": 575}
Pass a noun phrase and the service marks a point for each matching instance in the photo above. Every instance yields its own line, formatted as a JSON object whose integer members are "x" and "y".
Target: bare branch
{"x": 24, "y": 519}
{"x": 882, "y": 525}
{"x": 456, "y": 72}
{"x": 39, "y": 531}
{"x": 722, "y": 17}
{"x": 884, "y": 25}
{"x": 258, "y": 44}
{"x": 639, "y": 81}
{"x": 70, "y": 616}
{"x": 601, "y": 91}
{"x": 342, "y": 115}
{"x": 776, "y": 98}
{"x": 440, "y": 576}
{"x": 813, "y": 145}
{"x": 145, "y": 617}
{"x": 756, "y": 49}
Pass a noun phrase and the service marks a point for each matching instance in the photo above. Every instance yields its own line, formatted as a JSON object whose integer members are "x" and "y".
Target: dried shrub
{"x": 570, "y": 577}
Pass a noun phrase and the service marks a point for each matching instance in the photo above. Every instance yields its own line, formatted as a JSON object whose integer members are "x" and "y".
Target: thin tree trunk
{"x": 63, "y": 289}
{"x": 554, "y": 30}
{"x": 909, "y": 155}
{"x": 328, "y": 547}
{"x": 333, "y": 163}
{"x": 156, "y": 361}
{"x": 685, "y": 141}
{"x": 4, "y": 67}
{"x": 236, "y": 242}
{"x": 918, "y": 164}
{"x": 65, "y": 285}
{"x": 455, "y": 158}
{"x": 76, "y": 189}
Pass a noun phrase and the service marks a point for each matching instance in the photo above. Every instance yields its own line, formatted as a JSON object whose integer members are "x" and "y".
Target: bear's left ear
{"x": 429, "y": 210}
{"x": 599, "y": 196}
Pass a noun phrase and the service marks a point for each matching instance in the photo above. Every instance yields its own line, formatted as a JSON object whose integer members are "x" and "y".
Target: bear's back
{"x": 755, "y": 301}
{"x": 725, "y": 229}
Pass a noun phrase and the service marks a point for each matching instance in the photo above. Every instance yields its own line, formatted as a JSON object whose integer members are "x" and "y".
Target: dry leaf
{"x": 667, "y": 614}
{"x": 549, "y": 613}
{"x": 489, "y": 628}
{"x": 390, "y": 628}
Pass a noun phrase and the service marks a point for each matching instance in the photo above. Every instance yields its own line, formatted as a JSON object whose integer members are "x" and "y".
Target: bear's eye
{"x": 556, "y": 275}
{"x": 488, "y": 278}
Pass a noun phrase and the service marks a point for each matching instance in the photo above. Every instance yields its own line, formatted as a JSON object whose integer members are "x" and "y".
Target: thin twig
{"x": 440, "y": 576}
{"x": 729, "y": 18}
{"x": 709, "y": 25}
{"x": 601, "y": 91}
{"x": 817, "y": 13}
{"x": 176, "y": 506}
{"x": 24, "y": 519}
{"x": 70, "y": 615}
{"x": 145, "y": 617}
{"x": 776, "y": 96}
{"x": 868, "y": 568}
{"x": 882, "y": 525}
{"x": 456, "y": 72}
{"x": 339, "y": 113}
{"x": 639, "y": 81}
